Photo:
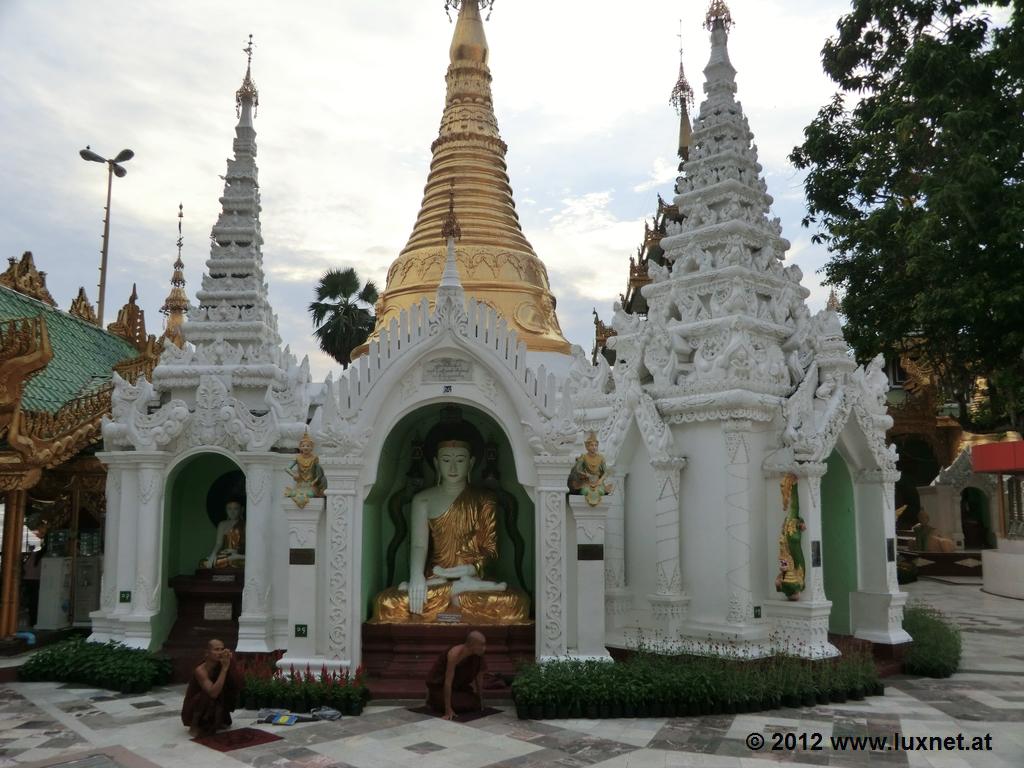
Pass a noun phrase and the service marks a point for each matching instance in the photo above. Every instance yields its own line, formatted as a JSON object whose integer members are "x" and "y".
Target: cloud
{"x": 351, "y": 95}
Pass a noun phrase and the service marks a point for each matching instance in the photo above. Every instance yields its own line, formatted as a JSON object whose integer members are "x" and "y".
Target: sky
{"x": 351, "y": 95}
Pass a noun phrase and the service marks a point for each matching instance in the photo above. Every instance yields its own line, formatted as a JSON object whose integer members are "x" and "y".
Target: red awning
{"x": 999, "y": 458}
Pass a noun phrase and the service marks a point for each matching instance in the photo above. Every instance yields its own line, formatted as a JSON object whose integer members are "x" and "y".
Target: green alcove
{"x": 838, "y": 542}
{"x": 189, "y": 532}
{"x": 392, "y": 470}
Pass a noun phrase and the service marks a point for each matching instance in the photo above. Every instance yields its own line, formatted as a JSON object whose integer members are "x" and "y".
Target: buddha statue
{"x": 307, "y": 473}
{"x": 928, "y": 538}
{"x": 587, "y": 476}
{"x": 229, "y": 544}
{"x": 454, "y": 539}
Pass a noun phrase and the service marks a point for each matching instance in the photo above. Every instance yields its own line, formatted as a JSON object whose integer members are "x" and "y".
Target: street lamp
{"x": 113, "y": 169}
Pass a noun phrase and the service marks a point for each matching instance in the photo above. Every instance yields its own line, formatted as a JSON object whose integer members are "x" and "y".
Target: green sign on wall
{"x": 125, "y": 596}
{"x": 301, "y": 630}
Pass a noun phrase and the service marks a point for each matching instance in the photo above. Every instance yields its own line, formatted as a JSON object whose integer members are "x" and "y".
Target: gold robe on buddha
{"x": 466, "y": 534}
{"x": 234, "y": 539}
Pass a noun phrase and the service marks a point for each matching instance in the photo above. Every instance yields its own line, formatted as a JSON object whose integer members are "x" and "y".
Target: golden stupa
{"x": 497, "y": 264}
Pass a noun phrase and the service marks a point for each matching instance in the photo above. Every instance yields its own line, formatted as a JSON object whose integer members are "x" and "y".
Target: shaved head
{"x": 476, "y": 642}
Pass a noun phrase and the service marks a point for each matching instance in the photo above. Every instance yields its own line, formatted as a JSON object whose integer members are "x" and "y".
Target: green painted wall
{"x": 188, "y": 533}
{"x": 838, "y": 541}
{"x": 378, "y": 529}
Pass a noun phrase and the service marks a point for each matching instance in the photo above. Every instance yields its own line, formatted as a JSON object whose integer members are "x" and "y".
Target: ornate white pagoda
{"x": 724, "y": 391}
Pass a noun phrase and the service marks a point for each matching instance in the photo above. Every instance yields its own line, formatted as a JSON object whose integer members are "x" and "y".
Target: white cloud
{"x": 351, "y": 96}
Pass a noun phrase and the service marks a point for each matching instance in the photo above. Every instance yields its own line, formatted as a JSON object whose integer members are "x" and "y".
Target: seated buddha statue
{"x": 454, "y": 538}
{"x": 229, "y": 544}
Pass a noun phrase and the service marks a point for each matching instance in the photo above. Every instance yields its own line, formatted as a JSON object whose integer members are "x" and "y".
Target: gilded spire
{"x": 247, "y": 94}
{"x": 82, "y": 308}
{"x": 682, "y": 100}
{"x": 176, "y": 304}
{"x": 451, "y": 228}
{"x": 497, "y": 263}
{"x": 833, "y": 301}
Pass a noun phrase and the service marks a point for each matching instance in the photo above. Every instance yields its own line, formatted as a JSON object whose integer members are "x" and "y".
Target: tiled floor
{"x": 45, "y": 724}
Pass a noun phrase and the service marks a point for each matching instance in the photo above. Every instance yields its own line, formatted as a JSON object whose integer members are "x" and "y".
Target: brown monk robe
{"x": 455, "y": 682}
{"x": 212, "y": 692}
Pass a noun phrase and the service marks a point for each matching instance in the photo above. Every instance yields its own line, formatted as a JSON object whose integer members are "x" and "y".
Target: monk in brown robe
{"x": 212, "y": 692}
{"x": 455, "y": 682}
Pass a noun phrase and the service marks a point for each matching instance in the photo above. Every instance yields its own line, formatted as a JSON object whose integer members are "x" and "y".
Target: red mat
{"x": 239, "y": 738}
{"x": 462, "y": 717}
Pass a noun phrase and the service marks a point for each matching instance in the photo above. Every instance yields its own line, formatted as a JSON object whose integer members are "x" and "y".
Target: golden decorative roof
{"x": 130, "y": 324}
{"x": 83, "y": 308}
{"x": 23, "y": 277}
{"x": 496, "y": 262}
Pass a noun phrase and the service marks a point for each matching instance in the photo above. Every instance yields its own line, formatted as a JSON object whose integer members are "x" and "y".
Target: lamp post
{"x": 114, "y": 168}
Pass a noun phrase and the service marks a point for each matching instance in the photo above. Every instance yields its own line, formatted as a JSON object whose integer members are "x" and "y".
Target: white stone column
{"x": 103, "y": 619}
{"x": 618, "y": 599}
{"x": 737, "y": 522}
{"x": 669, "y": 602}
{"x": 343, "y": 534}
{"x": 802, "y": 625}
{"x": 255, "y": 622}
{"x": 877, "y": 606}
{"x": 306, "y": 644}
{"x": 551, "y": 605}
{"x": 590, "y": 585}
{"x": 149, "y": 469}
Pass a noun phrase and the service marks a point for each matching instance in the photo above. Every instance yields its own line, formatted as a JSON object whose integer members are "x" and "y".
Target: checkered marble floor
{"x": 77, "y": 727}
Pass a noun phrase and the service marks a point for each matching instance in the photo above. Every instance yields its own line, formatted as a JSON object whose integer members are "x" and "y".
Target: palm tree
{"x": 341, "y": 318}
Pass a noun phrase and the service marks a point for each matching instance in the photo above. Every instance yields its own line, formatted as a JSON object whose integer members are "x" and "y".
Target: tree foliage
{"x": 340, "y": 315}
{"x": 916, "y": 183}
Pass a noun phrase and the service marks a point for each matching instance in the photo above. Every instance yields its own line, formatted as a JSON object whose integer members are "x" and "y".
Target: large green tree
{"x": 342, "y": 313}
{"x": 916, "y": 184}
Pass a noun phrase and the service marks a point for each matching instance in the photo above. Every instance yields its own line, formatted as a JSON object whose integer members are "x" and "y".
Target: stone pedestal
{"x": 590, "y": 588}
{"x": 802, "y": 627}
{"x": 209, "y": 604}
{"x": 305, "y": 553}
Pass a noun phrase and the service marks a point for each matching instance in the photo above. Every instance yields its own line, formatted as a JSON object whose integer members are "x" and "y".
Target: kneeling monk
{"x": 212, "y": 692}
{"x": 455, "y": 682}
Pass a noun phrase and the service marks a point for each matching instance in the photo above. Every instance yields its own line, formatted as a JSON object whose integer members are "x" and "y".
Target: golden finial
{"x": 718, "y": 12}
{"x": 248, "y": 91}
{"x": 450, "y": 227}
{"x": 456, "y": 5}
{"x": 682, "y": 93}
{"x": 833, "y": 301}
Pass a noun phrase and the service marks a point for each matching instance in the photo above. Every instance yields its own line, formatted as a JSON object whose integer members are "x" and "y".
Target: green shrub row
{"x": 650, "y": 685}
{"x": 937, "y": 646}
{"x": 301, "y": 691}
{"x": 102, "y": 665}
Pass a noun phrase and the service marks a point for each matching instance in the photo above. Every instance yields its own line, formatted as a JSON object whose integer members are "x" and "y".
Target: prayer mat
{"x": 464, "y": 717}
{"x": 239, "y": 738}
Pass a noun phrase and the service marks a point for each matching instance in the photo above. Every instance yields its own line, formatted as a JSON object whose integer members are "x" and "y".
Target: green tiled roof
{"x": 84, "y": 355}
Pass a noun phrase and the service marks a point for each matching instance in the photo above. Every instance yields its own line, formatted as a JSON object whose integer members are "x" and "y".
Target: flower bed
{"x": 104, "y": 665}
{"x": 301, "y": 690}
{"x": 650, "y": 685}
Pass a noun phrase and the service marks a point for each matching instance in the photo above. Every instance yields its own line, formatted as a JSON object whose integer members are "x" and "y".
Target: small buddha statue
{"x": 791, "y": 579}
{"x": 927, "y": 538}
{"x": 307, "y": 473}
{"x": 587, "y": 476}
{"x": 454, "y": 539}
{"x": 229, "y": 544}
